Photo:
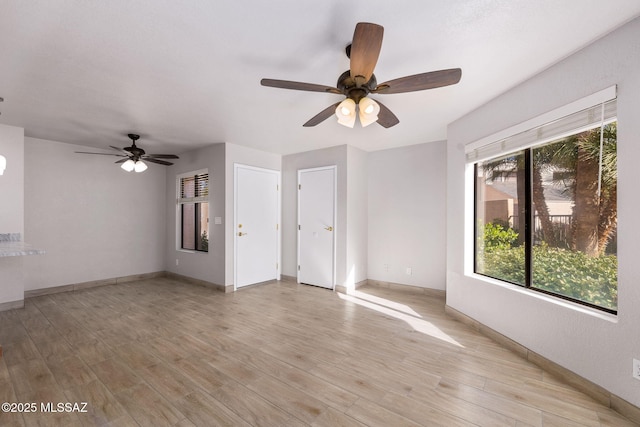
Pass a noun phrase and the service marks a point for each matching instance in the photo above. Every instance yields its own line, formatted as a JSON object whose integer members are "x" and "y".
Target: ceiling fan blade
{"x": 386, "y": 118}
{"x": 161, "y": 156}
{"x": 365, "y": 49}
{"x": 309, "y": 87}
{"x": 422, "y": 81}
{"x": 121, "y": 150}
{"x": 100, "y": 154}
{"x": 122, "y": 160}
{"x": 160, "y": 162}
{"x": 322, "y": 115}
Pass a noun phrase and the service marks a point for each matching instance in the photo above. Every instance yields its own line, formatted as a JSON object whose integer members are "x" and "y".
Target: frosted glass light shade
{"x": 128, "y": 165}
{"x": 346, "y": 113}
{"x": 368, "y": 111}
{"x": 3, "y": 164}
{"x": 140, "y": 166}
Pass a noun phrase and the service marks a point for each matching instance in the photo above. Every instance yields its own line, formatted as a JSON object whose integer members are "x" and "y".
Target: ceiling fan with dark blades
{"x": 359, "y": 81}
{"x": 132, "y": 157}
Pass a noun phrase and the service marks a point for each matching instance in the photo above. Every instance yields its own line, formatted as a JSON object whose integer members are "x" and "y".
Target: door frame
{"x": 236, "y": 168}
{"x": 335, "y": 217}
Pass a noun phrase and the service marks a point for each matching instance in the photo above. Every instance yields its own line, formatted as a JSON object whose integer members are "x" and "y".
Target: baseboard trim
{"x": 344, "y": 290}
{"x": 199, "y": 282}
{"x": 598, "y": 393}
{"x": 439, "y": 293}
{"x": 290, "y": 279}
{"x": 92, "y": 284}
{"x": 11, "y": 305}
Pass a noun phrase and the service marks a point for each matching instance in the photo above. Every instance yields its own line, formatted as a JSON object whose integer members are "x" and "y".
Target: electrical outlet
{"x": 636, "y": 369}
{"x": 409, "y": 271}
{"x": 177, "y": 261}
{"x": 386, "y": 268}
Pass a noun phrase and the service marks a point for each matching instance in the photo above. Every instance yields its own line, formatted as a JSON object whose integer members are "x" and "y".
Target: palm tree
{"x": 542, "y": 159}
{"x": 593, "y": 187}
{"x": 514, "y": 165}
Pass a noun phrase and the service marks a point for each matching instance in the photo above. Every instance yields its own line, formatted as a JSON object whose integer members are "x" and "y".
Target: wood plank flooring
{"x": 160, "y": 352}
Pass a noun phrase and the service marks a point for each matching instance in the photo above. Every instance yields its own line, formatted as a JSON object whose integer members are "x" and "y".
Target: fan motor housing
{"x": 134, "y": 150}
{"x": 351, "y": 89}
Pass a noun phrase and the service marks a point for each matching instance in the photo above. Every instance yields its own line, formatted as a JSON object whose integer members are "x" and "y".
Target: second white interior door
{"x": 316, "y": 226}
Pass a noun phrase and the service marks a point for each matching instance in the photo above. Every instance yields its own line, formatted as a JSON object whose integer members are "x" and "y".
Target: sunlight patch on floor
{"x": 384, "y": 306}
{"x": 385, "y": 303}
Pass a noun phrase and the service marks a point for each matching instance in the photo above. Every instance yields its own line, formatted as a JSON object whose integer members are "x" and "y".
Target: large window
{"x": 193, "y": 211}
{"x": 546, "y": 214}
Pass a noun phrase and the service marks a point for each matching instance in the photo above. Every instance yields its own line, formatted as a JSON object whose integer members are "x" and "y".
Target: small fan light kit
{"x": 133, "y": 156}
{"x": 359, "y": 81}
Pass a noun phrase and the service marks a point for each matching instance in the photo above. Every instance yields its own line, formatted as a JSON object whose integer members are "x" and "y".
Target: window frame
{"x": 474, "y": 159}
{"x": 528, "y": 239}
{"x": 197, "y": 202}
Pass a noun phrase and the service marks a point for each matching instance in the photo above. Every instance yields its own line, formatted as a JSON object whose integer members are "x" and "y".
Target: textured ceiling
{"x": 185, "y": 74}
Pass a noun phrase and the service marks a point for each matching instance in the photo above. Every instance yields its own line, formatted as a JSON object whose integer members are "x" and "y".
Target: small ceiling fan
{"x": 132, "y": 157}
{"x": 359, "y": 81}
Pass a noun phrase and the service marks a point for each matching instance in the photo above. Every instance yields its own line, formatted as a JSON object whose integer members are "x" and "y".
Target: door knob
{"x": 329, "y": 228}
{"x": 240, "y": 234}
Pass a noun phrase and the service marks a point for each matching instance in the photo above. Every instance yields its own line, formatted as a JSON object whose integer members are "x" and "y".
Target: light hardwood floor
{"x": 161, "y": 352}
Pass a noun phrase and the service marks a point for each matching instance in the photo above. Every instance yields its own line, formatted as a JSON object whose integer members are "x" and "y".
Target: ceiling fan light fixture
{"x": 140, "y": 166}
{"x": 368, "y": 111}
{"x": 129, "y": 165}
{"x": 346, "y": 112}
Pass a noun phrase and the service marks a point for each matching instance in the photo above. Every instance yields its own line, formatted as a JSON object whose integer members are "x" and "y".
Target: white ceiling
{"x": 185, "y": 74}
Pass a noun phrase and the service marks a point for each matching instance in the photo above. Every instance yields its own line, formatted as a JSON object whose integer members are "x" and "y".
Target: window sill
{"x": 189, "y": 251}
{"x": 612, "y": 318}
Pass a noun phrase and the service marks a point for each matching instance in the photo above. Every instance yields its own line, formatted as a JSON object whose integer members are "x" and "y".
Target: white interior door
{"x": 316, "y": 226}
{"x": 256, "y": 225}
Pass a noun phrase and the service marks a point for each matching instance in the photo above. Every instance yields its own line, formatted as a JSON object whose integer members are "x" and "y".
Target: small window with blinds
{"x": 193, "y": 211}
{"x": 546, "y": 207}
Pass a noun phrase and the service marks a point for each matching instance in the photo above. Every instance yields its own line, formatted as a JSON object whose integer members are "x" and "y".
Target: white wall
{"x": 12, "y": 182}
{"x": 208, "y": 266}
{"x": 12, "y": 210}
{"x": 357, "y": 220}
{"x": 94, "y": 220}
{"x": 407, "y": 215}
{"x": 594, "y": 346}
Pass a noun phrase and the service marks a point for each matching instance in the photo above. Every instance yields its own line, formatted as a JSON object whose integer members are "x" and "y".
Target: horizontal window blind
{"x": 194, "y": 189}
{"x": 585, "y": 119}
